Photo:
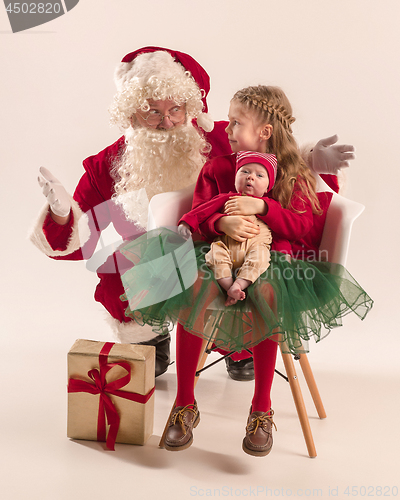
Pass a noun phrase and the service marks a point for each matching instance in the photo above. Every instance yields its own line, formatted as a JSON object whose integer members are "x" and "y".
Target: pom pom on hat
{"x": 267, "y": 160}
{"x": 160, "y": 68}
{"x": 205, "y": 121}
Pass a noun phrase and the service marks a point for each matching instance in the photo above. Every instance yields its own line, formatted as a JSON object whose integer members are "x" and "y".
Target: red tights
{"x": 188, "y": 350}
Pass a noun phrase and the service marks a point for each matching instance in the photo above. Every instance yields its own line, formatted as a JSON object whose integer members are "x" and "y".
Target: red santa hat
{"x": 148, "y": 63}
{"x": 267, "y": 160}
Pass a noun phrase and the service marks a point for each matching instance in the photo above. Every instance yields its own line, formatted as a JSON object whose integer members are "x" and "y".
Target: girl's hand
{"x": 237, "y": 227}
{"x": 245, "y": 205}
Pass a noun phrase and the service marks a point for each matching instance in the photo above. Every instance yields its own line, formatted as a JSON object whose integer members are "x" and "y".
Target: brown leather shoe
{"x": 179, "y": 435}
{"x": 258, "y": 440}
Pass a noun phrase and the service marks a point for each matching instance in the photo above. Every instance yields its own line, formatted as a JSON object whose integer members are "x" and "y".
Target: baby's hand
{"x": 184, "y": 230}
{"x": 244, "y": 205}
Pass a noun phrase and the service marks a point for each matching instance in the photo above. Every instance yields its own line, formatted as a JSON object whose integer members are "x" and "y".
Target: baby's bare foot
{"x": 235, "y": 293}
{"x": 230, "y": 301}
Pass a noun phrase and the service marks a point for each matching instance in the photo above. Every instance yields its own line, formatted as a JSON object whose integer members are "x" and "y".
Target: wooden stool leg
{"x": 299, "y": 402}
{"x": 309, "y": 376}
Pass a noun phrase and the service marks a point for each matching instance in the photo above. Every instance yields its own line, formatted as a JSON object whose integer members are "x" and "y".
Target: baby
{"x": 255, "y": 176}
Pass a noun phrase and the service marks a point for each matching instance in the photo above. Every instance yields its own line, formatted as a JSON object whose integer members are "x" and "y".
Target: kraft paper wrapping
{"x": 136, "y": 419}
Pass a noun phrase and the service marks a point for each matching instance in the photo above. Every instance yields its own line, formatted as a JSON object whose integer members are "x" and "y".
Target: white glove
{"x": 54, "y": 191}
{"x": 184, "y": 231}
{"x": 329, "y": 159}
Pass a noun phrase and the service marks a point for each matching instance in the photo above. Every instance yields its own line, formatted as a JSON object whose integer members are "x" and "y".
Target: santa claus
{"x": 167, "y": 137}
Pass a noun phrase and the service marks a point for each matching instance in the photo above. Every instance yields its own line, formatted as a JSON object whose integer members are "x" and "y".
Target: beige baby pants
{"x": 249, "y": 259}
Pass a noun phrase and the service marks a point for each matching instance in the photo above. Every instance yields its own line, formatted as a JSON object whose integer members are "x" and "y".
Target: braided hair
{"x": 271, "y": 106}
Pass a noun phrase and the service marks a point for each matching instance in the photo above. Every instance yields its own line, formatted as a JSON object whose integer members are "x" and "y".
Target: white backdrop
{"x": 337, "y": 62}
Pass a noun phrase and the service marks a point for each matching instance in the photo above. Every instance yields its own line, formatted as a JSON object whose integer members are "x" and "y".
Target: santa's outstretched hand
{"x": 329, "y": 157}
{"x": 54, "y": 191}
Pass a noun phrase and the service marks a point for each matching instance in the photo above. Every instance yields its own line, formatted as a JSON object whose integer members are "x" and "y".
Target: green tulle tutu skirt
{"x": 291, "y": 302}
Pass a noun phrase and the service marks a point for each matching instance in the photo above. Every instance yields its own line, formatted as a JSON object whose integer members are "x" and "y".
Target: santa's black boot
{"x": 162, "y": 345}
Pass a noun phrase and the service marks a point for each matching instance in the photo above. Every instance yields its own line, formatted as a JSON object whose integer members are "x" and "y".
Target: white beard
{"x": 156, "y": 161}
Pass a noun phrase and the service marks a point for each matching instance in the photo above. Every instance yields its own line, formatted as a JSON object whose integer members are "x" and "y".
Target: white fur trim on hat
{"x": 205, "y": 121}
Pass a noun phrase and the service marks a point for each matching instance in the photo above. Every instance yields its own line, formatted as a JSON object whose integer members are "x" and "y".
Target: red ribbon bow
{"x": 99, "y": 386}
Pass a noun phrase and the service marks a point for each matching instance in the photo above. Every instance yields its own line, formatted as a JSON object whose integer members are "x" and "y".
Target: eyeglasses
{"x": 154, "y": 117}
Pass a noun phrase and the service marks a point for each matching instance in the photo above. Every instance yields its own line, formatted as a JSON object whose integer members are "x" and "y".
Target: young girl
{"x": 290, "y": 302}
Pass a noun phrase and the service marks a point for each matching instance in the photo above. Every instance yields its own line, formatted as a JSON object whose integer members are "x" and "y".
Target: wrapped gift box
{"x": 110, "y": 392}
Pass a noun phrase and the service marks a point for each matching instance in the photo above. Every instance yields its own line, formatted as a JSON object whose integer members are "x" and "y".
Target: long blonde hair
{"x": 271, "y": 106}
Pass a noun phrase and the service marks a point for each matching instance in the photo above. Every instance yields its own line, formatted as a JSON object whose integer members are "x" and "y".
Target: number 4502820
{"x": 371, "y": 491}
{"x": 33, "y": 8}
